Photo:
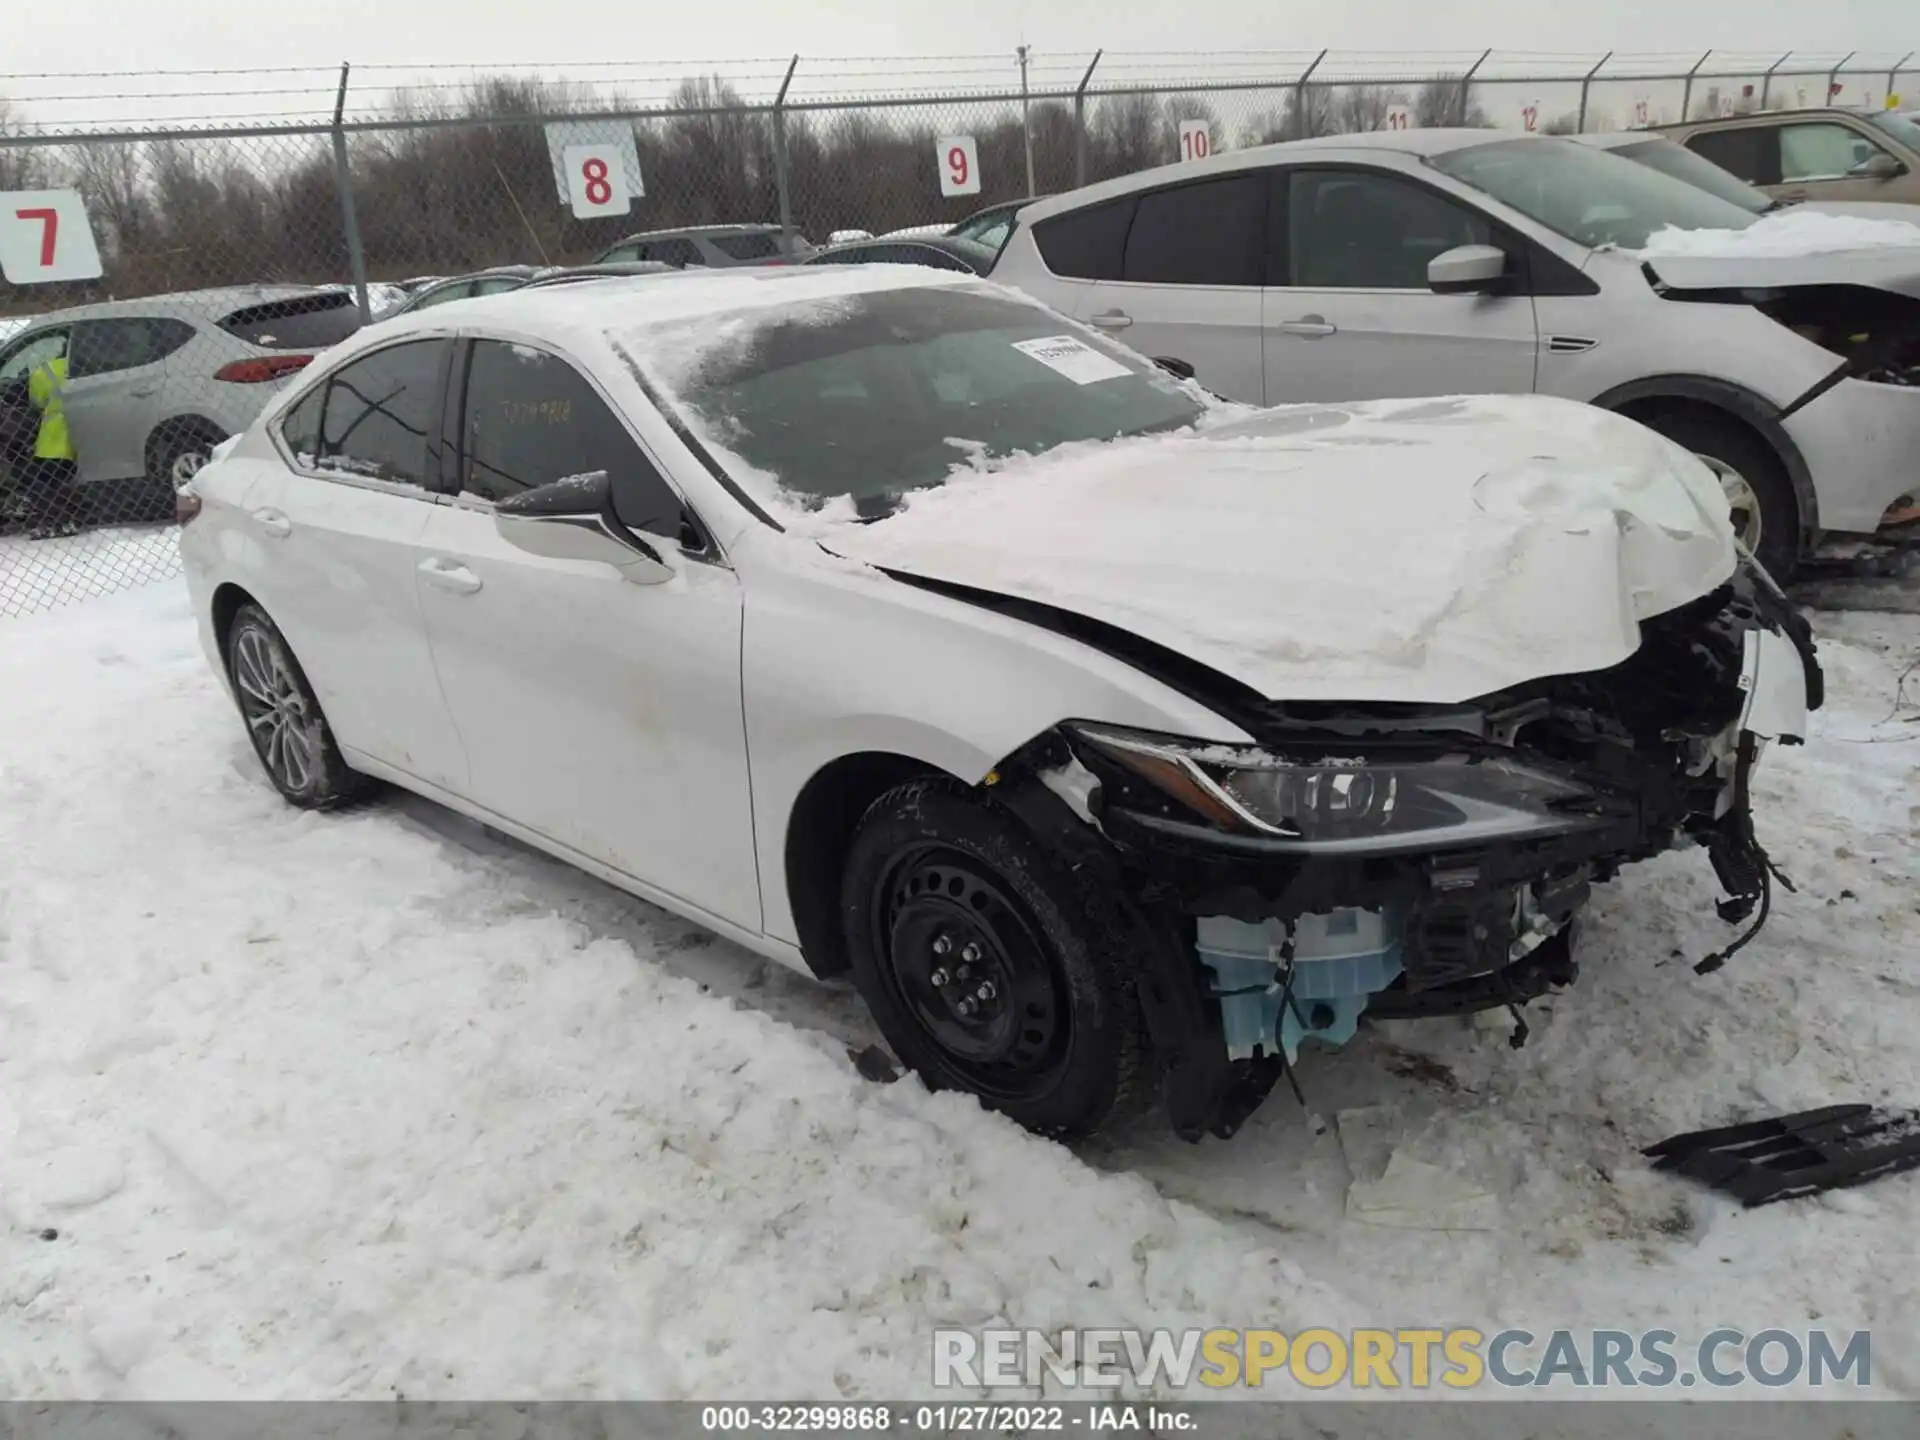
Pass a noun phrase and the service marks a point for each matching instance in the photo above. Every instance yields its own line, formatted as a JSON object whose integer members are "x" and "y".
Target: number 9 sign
{"x": 959, "y": 165}
{"x": 44, "y": 236}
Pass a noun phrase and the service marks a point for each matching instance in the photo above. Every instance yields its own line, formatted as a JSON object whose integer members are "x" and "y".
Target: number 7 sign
{"x": 44, "y": 236}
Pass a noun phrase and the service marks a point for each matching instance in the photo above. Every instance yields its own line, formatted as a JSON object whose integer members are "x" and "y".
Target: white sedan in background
{"x": 1116, "y": 740}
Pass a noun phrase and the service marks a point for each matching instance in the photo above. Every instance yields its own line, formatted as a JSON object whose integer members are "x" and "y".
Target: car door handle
{"x": 447, "y": 575}
{"x": 1112, "y": 319}
{"x": 1310, "y": 327}
{"x": 272, "y": 522}
{"x": 145, "y": 391}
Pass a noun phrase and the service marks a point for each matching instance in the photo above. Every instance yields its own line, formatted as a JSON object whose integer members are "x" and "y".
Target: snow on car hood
{"x": 1794, "y": 247}
{"x": 1431, "y": 550}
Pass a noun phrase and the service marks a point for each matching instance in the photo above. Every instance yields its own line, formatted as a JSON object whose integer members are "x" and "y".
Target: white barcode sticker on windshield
{"x": 1080, "y": 363}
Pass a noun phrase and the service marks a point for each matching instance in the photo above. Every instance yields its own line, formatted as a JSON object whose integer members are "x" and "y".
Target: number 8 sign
{"x": 44, "y": 236}
{"x": 959, "y": 165}
{"x": 597, "y": 181}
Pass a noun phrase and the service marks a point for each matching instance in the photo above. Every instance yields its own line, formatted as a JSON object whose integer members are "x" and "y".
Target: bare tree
{"x": 1449, "y": 100}
{"x": 1364, "y": 107}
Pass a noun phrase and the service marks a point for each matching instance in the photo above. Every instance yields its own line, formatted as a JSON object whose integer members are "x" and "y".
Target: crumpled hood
{"x": 1429, "y": 550}
{"x": 1885, "y": 269}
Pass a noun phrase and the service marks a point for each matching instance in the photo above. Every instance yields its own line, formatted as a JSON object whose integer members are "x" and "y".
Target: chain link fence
{"x": 231, "y": 254}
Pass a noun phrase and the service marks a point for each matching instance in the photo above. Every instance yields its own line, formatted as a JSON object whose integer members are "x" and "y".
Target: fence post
{"x": 1827, "y": 99}
{"x": 1026, "y": 120}
{"x": 1586, "y": 81}
{"x": 1300, "y": 126}
{"x": 1466, "y": 85}
{"x": 1686, "y": 94}
{"x": 349, "y": 217}
{"x": 1766, "y": 80}
{"x": 781, "y": 179}
{"x": 1893, "y": 75}
{"x": 1080, "y": 123}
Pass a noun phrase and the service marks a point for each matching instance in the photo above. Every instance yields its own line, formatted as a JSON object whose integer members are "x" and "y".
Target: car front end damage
{"x": 1410, "y": 861}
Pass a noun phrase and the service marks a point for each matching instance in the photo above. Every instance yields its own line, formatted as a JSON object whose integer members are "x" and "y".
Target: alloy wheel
{"x": 1742, "y": 500}
{"x": 284, "y": 728}
{"x": 186, "y": 465}
{"x": 972, "y": 972}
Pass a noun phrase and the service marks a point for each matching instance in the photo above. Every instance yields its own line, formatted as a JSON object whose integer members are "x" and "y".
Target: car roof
{"x": 197, "y": 304}
{"x": 1414, "y": 143}
{"x": 592, "y": 313}
{"x": 692, "y": 230}
{"x": 1853, "y": 111}
{"x": 1618, "y": 139}
{"x": 603, "y": 269}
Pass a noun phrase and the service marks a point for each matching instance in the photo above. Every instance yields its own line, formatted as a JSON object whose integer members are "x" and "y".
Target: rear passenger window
{"x": 1752, "y": 153}
{"x": 298, "y": 322}
{"x": 300, "y": 426}
{"x": 382, "y": 412}
{"x": 531, "y": 418}
{"x": 1212, "y": 233}
{"x": 747, "y": 247}
{"x": 678, "y": 251}
{"x": 1086, "y": 244}
{"x": 101, "y": 347}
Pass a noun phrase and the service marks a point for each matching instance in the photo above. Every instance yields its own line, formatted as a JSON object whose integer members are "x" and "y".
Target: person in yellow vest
{"x": 52, "y": 498}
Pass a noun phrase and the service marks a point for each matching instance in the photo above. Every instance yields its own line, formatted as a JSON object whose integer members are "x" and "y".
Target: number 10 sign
{"x": 959, "y": 165}
{"x": 44, "y": 236}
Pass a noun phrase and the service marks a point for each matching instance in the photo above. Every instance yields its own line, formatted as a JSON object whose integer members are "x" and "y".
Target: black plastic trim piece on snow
{"x": 1793, "y": 1155}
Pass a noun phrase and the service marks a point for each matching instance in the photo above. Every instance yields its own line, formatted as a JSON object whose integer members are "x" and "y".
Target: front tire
{"x": 986, "y": 963}
{"x": 1766, "y": 512}
{"x": 283, "y": 717}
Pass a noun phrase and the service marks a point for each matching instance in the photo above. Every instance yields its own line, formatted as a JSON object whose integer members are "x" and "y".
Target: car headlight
{"x": 1351, "y": 805}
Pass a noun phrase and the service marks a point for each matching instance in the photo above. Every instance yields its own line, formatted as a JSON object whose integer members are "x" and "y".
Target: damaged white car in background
{"x": 1115, "y": 740}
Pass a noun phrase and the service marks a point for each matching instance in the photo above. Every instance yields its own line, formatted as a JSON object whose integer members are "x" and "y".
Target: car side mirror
{"x": 573, "y": 519}
{"x": 1175, "y": 366}
{"x": 1466, "y": 269}
{"x": 1878, "y": 166}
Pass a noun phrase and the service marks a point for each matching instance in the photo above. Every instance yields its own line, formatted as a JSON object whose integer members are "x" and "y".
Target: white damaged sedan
{"x": 1114, "y": 740}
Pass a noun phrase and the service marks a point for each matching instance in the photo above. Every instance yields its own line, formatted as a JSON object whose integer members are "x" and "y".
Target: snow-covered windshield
{"x": 871, "y": 395}
{"x": 1899, "y": 127}
{"x": 1682, "y": 164}
{"x": 1588, "y": 195}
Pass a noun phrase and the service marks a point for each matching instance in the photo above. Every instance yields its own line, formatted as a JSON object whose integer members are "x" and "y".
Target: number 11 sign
{"x": 959, "y": 165}
{"x": 44, "y": 236}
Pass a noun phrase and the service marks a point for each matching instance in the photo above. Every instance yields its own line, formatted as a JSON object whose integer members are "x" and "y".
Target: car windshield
{"x": 1899, "y": 127}
{"x": 1682, "y": 164}
{"x": 1588, "y": 195}
{"x": 873, "y": 394}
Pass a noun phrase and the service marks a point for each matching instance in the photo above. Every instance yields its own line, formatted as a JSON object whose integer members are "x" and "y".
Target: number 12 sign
{"x": 44, "y": 236}
{"x": 959, "y": 165}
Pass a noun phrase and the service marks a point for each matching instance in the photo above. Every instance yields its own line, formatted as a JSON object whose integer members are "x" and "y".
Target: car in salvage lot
{"x": 154, "y": 384}
{"x": 1115, "y": 739}
{"x": 1669, "y": 157}
{"x": 1430, "y": 262}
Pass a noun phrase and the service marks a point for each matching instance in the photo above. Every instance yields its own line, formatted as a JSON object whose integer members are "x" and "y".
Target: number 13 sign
{"x": 959, "y": 165}
{"x": 44, "y": 236}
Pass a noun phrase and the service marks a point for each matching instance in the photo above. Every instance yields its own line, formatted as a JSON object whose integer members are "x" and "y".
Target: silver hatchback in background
{"x": 154, "y": 384}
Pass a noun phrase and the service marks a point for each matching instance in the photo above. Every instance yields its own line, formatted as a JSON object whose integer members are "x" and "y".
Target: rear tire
{"x": 283, "y": 717}
{"x": 986, "y": 963}
{"x": 175, "y": 454}
{"x": 1766, "y": 510}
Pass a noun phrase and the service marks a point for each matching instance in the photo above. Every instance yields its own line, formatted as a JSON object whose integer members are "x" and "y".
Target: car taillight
{"x": 262, "y": 369}
{"x": 186, "y": 505}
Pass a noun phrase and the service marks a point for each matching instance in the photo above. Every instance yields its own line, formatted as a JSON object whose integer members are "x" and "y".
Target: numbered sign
{"x": 44, "y": 236}
{"x": 1642, "y": 113}
{"x": 596, "y": 166}
{"x": 1530, "y": 115}
{"x": 959, "y": 165}
{"x": 1196, "y": 139}
{"x": 1399, "y": 117}
{"x": 596, "y": 181}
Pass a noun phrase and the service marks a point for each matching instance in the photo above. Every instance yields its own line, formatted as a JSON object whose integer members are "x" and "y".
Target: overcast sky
{"x": 159, "y": 35}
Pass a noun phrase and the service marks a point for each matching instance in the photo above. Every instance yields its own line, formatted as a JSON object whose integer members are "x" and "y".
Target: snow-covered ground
{"x": 351, "y": 1105}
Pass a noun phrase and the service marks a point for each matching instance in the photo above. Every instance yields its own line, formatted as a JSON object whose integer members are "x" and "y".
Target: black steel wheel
{"x": 986, "y": 963}
{"x": 284, "y": 720}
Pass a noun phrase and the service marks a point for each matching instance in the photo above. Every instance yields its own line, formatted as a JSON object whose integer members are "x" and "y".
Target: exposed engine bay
{"x": 1876, "y": 332}
{"x": 1409, "y": 861}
